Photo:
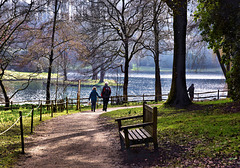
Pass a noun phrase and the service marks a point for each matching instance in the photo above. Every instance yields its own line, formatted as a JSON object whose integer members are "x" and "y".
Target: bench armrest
{"x": 137, "y": 125}
{"x": 126, "y": 118}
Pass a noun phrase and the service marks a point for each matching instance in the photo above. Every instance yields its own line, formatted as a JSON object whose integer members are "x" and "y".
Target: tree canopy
{"x": 220, "y": 27}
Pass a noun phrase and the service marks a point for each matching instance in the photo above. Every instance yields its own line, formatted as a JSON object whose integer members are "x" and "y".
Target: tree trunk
{"x": 178, "y": 96}
{"x": 65, "y": 74}
{"x": 48, "y": 94}
{"x": 51, "y": 54}
{"x": 224, "y": 70}
{"x": 95, "y": 73}
{"x": 158, "y": 87}
{"x": 7, "y": 101}
{"x": 102, "y": 75}
{"x": 125, "y": 84}
{"x": 65, "y": 65}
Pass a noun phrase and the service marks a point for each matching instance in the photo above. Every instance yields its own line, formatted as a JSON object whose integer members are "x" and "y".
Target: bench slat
{"x": 146, "y": 133}
{"x": 139, "y": 137}
{"x": 141, "y": 134}
{"x": 132, "y": 135}
{"x": 129, "y": 136}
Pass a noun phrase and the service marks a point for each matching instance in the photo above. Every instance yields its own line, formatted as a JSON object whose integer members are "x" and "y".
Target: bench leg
{"x": 122, "y": 144}
{"x": 155, "y": 146}
{"x": 127, "y": 146}
{"x": 127, "y": 141}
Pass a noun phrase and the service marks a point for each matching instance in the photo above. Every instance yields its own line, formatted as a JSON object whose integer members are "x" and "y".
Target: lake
{"x": 139, "y": 84}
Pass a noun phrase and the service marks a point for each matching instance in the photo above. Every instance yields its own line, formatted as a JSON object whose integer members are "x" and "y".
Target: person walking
{"x": 191, "y": 92}
{"x": 106, "y": 92}
{"x": 93, "y": 96}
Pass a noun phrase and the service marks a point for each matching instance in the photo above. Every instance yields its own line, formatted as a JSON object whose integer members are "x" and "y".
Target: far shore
{"x": 24, "y": 76}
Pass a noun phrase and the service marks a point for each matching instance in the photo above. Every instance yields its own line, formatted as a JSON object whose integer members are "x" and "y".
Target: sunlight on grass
{"x": 10, "y": 144}
{"x": 25, "y": 75}
{"x": 207, "y": 130}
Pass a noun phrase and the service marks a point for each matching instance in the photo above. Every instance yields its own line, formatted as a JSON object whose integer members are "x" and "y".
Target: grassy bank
{"x": 14, "y": 75}
{"x": 205, "y": 134}
{"x": 87, "y": 82}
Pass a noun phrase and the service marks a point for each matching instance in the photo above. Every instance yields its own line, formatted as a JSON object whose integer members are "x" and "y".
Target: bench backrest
{"x": 150, "y": 115}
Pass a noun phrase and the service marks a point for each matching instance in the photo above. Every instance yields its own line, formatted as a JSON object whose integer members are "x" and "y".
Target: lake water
{"x": 139, "y": 84}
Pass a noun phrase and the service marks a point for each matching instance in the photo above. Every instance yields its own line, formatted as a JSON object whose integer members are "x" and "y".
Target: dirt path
{"x": 75, "y": 140}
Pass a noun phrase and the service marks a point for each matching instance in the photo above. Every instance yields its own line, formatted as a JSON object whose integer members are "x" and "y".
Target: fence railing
{"x": 61, "y": 105}
{"x": 198, "y": 96}
{"x": 20, "y": 120}
{"x": 53, "y": 108}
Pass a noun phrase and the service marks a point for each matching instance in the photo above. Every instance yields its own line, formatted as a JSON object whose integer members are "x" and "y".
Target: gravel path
{"x": 75, "y": 140}
{"x": 85, "y": 140}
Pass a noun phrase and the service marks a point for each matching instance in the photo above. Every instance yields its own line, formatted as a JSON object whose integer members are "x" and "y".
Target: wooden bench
{"x": 139, "y": 133}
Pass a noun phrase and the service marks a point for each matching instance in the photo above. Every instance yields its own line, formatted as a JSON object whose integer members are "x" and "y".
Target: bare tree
{"x": 100, "y": 57}
{"x": 55, "y": 37}
{"x": 13, "y": 19}
{"x": 125, "y": 22}
{"x": 157, "y": 38}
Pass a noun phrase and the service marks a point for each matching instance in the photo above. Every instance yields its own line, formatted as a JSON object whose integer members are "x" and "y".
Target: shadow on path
{"x": 81, "y": 140}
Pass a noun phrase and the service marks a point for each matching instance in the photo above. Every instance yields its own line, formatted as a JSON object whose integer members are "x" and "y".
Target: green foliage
{"x": 220, "y": 26}
{"x": 206, "y": 130}
{"x": 233, "y": 79}
{"x": 135, "y": 67}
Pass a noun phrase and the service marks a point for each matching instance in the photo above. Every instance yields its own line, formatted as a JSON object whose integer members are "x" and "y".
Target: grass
{"x": 14, "y": 75}
{"x": 10, "y": 143}
{"x": 206, "y": 130}
{"x": 90, "y": 82}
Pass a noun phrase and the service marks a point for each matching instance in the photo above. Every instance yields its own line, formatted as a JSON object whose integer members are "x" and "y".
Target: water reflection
{"x": 139, "y": 83}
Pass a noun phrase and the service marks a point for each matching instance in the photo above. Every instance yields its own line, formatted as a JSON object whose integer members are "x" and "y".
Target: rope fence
{"x": 63, "y": 104}
{"x": 10, "y": 127}
{"x": 21, "y": 124}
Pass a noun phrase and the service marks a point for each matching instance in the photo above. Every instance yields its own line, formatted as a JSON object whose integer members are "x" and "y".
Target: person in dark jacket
{"x": 106, "y": 92}
{"x": 191, "y": 92}
{"x": 93, "y": 96}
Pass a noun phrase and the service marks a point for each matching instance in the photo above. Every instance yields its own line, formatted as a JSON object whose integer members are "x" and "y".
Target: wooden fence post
{"x": 21, "y": 129}
{"x": 32, "y": 119}
{"x": 40, "y": 112}
{"x": 67, "y": 104}
{"x": 78, "y": 94}
{"x": 56, "y": 106}
{"x": 72, "y": 103}
{"x": 218, "y": 95}
{"x": 52, "y": 108}
{"x": 48, "y": 105}
{"x": 143, "y": 97}
{"x": 11, "y": 105}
